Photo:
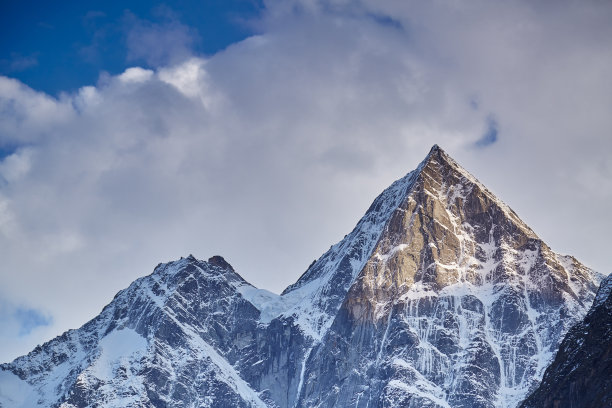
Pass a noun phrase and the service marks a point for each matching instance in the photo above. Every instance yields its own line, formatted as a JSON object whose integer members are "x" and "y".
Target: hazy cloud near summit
{"x": 270, "y": 151}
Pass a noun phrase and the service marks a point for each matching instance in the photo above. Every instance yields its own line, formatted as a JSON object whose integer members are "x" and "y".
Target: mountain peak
{"x": 429, "y": 198}
{"x": 439, "y": 156}
{"x": 218, "y": 260}
{"x": 435, "y": 153}
{"x": 438, "y": 160}
{"x": 435, "y": 149}
{"x": 445, "y": 232}
{"x": 453, "y": 275}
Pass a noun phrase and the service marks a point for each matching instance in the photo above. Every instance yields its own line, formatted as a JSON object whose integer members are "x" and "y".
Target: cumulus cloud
{"x": 271, "y": 150}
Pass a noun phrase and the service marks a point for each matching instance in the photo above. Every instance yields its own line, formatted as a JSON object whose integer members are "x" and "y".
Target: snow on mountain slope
{"x": 440, "y": 297}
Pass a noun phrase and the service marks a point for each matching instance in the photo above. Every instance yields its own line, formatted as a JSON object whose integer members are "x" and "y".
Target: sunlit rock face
{"x": 440, "y": 297}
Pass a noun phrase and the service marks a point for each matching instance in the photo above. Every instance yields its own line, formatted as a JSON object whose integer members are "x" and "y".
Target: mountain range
{"x": 440, "y": 297}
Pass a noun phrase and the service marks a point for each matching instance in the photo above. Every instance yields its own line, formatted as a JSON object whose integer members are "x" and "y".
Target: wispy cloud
{"x": 18, "y": 62}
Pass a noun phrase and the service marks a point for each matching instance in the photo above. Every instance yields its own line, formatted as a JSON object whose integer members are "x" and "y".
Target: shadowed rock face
{"x": 440, "y": 297}
{"x": 581, "y": 373}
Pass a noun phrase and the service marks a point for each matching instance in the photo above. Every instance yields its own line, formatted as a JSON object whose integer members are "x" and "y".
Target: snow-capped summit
{"x": 440, "y": 297}
{"x": 458, "y": 303}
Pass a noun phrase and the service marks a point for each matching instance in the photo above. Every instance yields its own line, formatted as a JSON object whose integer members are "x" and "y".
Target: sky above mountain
{"x": 261, "y": 131}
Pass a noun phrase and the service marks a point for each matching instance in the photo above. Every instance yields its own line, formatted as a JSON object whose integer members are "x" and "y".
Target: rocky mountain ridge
{"x": 440, "y": 297}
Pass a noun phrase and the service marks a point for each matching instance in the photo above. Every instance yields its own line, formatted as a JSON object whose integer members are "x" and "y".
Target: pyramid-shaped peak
{"x": 437, "y": 169}
{"x": 445, "y": 171}
{"x": 449, "y": 230}
{"x": 435, "y": 149}
{"x": 438, "y": 155}
{"x": 218, "y": 260}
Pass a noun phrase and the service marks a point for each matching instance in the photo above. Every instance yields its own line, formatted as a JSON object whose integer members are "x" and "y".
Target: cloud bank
{"x": 271, "y": 150}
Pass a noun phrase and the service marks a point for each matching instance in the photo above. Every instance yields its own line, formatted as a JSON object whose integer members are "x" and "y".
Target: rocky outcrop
{"x": 581, "y": 373}
{"x": 440, "y": 297}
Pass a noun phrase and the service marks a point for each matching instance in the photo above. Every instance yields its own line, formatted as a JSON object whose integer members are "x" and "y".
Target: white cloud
{"x": 270, "y": 151}
{"x": 15, "y": 166}
{"x": 26, "y": 114}
{"x": 135, "y": 75}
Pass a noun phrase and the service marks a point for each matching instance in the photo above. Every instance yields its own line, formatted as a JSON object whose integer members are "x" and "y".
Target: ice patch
{"x": 269, "y": 304}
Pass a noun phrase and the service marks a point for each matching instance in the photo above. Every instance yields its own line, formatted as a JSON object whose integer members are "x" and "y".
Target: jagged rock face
{"x": 440, "y": 297}
{"x": 581, "y": 374}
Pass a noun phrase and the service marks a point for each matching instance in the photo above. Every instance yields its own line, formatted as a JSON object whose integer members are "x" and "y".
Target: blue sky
{"x": 61, "y": 46}
{"x": 136, "y": 134}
